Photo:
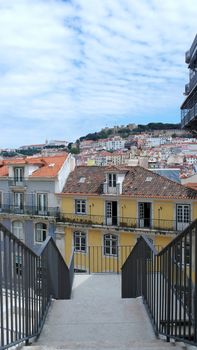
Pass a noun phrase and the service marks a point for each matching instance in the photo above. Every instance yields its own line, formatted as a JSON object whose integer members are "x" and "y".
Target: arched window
{"x": 18, "y": 230}
{"x": 80, "y": 241}
{"x": 110, "y": 245}
{"x": 40, "y": 232}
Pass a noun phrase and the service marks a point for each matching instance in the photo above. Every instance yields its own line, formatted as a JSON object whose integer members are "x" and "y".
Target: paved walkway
{"x": 97, "y": 318}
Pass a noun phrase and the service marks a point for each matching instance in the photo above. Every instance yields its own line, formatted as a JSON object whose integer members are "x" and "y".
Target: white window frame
{"x": 80, "y": 206}
{"x": 112, "y": 180}
{"x": 19, "y": 200}
{"x": 40, "y": 232}
{"x": 110, "y": 237}
{"x": 1, "y": 200}
{"x": 80, "y": 247}
{"x": 18, "y": 231}
{"x": 18, "y": 174}
{"x": 42, "y": 202}
{"x": 182, "y": 214}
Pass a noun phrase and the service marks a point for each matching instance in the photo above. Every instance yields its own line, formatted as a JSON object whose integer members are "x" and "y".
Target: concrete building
{"x": 189, "y": 106}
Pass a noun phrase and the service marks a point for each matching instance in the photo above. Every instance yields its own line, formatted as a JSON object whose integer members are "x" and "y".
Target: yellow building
{"x": 104, "y": 210}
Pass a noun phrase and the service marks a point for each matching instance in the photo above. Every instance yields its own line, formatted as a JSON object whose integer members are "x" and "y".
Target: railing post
{"x": 169, "y": 296}
{"x": 89, "y": 258}
{"x": 26, "y": 286}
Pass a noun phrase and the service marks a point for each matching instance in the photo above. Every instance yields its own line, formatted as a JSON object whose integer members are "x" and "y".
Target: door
{"x": 18, "y": 202}
{"x": 111, "y": 213}
{"x": 183, "y": 216}
{"x": 18, "y": 175}
{"x": 42, "y": 203}
{"x": 144, "y": 210}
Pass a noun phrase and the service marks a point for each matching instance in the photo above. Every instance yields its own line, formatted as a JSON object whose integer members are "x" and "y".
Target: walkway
{"x": 97, "y": 318}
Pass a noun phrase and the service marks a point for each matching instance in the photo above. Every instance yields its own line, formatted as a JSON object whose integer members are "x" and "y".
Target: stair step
{"x": 157, "y": 344}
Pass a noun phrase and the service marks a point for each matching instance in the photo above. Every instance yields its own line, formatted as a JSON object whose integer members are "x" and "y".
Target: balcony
{"x": 17, "y": 182}
{"x": 190, "y": 53}
{"x": 190, "y": 118}
{"x": 107, "y": 189}
{"x": 189, "y": 87}
{"x": 143, "y": 224}
{"x": 187, "y": 57}
{"x": 29, "y": 210}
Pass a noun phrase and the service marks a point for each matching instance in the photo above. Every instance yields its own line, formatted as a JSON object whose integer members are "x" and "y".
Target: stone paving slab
{"x": 97, "y": 318}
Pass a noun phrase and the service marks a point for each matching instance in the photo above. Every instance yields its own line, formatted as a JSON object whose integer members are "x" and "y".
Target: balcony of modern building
{"x": 190, "y": 55}
{"x": 189, "y": 108}
{"x": 192, "y": 83}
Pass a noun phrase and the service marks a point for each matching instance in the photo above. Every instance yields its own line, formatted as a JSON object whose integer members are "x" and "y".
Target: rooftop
{"x": 47, "y": 166}
{"x": 138, "y": 182}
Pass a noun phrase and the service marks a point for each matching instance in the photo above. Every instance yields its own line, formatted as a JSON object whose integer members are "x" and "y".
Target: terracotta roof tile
{"x": 48, "y": 166}
{"x": 138, "y": 182}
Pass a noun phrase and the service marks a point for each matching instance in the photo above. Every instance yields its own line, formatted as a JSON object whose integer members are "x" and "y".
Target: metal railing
{"x": 167, "y": 282}
{"x": 28, "y": 282}
{"x": 17, "y": 181}
{"x": 29, "y": 210}
{"x": 124, "y": 222}
{"x": 189, "y": 116}
{"x": 107, "y": 189}
{"x": 101, "y": 259}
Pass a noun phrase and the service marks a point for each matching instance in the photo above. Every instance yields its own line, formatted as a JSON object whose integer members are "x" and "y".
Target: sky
{"x": 68, "y": 68}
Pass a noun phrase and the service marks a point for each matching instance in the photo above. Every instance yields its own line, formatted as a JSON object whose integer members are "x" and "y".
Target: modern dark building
{"x": 189, "y": 106}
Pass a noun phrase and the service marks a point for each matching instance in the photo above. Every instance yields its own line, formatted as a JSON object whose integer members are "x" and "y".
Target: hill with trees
{"x": 126, "y": 130}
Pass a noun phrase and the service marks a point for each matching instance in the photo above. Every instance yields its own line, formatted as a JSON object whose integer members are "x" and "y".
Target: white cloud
{"x": 71, "y": 67}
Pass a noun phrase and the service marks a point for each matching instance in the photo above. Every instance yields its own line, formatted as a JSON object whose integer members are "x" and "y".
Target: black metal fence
{"x": 167, "y": 281}
{"x": 28, "y": 282}
{"x": 124, "y": 222}
{"x": 29, "y": 210}
{"x": 101, "y": 259}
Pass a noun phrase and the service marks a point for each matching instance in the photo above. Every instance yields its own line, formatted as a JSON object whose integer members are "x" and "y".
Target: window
{"x": 110, "y": 245}
{"x": 18, "y": 230}
{"x": 80, "y": 206}
{"x": 18, "y": 264}
{"x": 80, "y": 242}
{"x": 42, "y": 202}
{"x": 1, "y": 200}
{"x": 112, "y": 180}
{"x": 40, "y": 232}
{"x": 18, "y": 174}
{"x": 182, "y": 252}
{"x": 18, "y": 200}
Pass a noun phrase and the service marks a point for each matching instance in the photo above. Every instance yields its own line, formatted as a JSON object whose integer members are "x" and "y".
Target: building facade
{"x": 110, "y": 207}
{"x": 28, "y": 202}
{"x": 189, "y": 106}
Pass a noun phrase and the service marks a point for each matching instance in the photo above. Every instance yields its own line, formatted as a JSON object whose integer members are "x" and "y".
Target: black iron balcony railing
{"x": 17, "y": 181}
{"x": 29, "y": 210}
{"x": 123, "y": 222}
{"x": 27, "y": 284}
{"x": 167, "y": 282}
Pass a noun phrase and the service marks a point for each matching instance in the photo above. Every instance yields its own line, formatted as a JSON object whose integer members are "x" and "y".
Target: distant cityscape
{"x": 169, "y": 152}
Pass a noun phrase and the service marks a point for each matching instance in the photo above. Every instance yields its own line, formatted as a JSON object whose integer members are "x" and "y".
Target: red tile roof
{"x": 138, "y": 182}
{"x": 47, "y": 166}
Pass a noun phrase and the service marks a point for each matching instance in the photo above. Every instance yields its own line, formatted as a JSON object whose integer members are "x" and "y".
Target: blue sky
{"x": 72, "y": 67}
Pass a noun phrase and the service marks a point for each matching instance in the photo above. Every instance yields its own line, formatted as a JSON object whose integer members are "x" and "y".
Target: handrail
{"x": 167, "y": 282}
{"x": 180, "y": 235}
{"x": 28, "y": 281}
